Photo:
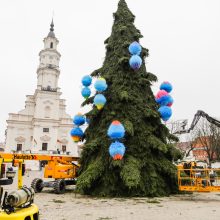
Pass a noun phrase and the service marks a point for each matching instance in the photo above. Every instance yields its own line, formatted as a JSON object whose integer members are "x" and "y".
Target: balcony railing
{"x": 48, "y": 89}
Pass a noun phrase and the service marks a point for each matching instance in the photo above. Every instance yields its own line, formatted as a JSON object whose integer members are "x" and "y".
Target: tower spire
{"x": 51, "y": 33}
{"x": 52, "y": 25}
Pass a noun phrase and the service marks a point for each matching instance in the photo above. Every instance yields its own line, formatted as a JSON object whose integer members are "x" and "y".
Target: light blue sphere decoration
{"x": 100, "y": 85}
{"x": 135, "y": 62}
{"x": 99, "y": 101}
{"x": 166, "y": 86}
{"x": 116, "y": 130}
{"x": 135, "y": 48}
{"x": 77, "y": 132}
{"x": 164, "y": 100}
{"x": 115, "y": 149}
{"x": 86, "y": 92}
{"x": 79, "y": 120}
{"x": 170, "y": 102}
{"x": 87, "y": 80}
{"x": 165, "y": 112}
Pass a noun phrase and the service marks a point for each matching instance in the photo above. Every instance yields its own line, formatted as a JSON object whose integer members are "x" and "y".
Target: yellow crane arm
{"x": 14, "y": 156}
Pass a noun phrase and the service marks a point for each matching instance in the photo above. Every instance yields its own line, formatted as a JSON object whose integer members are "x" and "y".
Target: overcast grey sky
{"x": 183, "y": 38}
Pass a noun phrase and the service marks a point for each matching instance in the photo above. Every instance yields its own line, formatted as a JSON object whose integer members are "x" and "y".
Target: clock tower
{"x": 43, "y": 125}
{"x": 48, "y": 71}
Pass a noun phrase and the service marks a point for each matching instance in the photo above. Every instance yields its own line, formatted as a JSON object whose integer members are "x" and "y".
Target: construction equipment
{"x": 61, "y": 168}
{"x": 192, "y": 177}
{"x": 18, "y": 205}
{"x": 196, "y": 118}
{"x": 6, "y": 174}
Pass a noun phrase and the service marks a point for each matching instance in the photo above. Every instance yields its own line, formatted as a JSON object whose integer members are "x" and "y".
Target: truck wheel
{"x": 59, "y": 186}
{"x": 38, "y": 185}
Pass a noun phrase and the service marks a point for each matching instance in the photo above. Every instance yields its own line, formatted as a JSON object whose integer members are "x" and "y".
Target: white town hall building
{"x": 43, "y": 126}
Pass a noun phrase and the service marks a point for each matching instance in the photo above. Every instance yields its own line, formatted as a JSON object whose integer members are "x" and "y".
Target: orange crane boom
{"x": 60, "y": 168}
{"x": 10, "y": 156}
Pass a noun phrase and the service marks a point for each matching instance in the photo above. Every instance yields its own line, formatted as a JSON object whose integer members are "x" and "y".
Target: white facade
{"x": 43, "y": 125}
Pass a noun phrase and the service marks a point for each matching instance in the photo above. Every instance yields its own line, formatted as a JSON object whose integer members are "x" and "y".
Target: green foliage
{"x": 146, "y": 169}
{"x": 129, "y": 127}
{"x": 130, "y": 172}
{"x": 89, "y": 177}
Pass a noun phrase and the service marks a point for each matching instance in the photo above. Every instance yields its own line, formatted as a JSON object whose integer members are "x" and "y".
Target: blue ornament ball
{"x": 100, "y": 85}
{"x": 164, "y": 100}
{"x": 77, "y": 132}
{"x": 135, "y": 62}
{"x": 135, "y": 48}
{"x": 86, "y": 92}
{"x": 87, "y": 80}
{"x": 116, "y": 130}
{"x": 166, "y": 86}
{"x": 99, "y": 101}
{"x": 117, "y": 148}
{"x": 165, "y": 112}
{"x": 170, "y": 102}
{"x": 79, "y": 120}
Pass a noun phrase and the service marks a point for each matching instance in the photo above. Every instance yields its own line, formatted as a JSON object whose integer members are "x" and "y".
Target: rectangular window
{"x": 45, "y": 129}
{"x": 19, "y": 147}
{"x": 64, "y": 148}
{"x": 44, "y": 146}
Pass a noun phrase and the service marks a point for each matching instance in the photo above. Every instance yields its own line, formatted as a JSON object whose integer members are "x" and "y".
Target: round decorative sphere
{"x": 79, "y": 119}
{"x": 161, "y": 93}
{"x": 166, "y": 86}
{"x": 170, "y": 102}
{"x": 76, "y": 132}
{"x": 135, "y": 62}
{"x": 87, "y": 80}
{"x": 165, "y": 112}
{"x": 116, "y": 130}
{"x": 135, "y": 48}
{"x": 100, "y": 85}
{"x": 86, "y": 92}
{"x": 99, "y": 101}
{"x": 164, "y": 100}
{"x": 117, "y": 150}
{"x": 76, "y": 138}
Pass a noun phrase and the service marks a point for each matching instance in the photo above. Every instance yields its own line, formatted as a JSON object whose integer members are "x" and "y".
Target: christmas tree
{"x": 146, "y": 168}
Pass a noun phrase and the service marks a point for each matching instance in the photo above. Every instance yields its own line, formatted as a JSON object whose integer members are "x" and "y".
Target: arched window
{"x": 47, "y": 112}
{"x": 51, "y": 45}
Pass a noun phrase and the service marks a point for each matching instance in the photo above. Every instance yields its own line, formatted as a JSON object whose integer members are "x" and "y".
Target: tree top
{"x": 124, "y": 11}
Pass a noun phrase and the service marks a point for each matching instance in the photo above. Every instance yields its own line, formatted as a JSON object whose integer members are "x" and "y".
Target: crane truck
{"x": 61, "y": 170}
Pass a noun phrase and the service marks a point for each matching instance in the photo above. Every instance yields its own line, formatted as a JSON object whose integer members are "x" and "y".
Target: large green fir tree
{"x": 146, "y": 168}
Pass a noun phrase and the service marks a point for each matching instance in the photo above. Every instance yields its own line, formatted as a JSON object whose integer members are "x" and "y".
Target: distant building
{"x": 197, "y": 149}
{"x": 201, "y": 149}
{"x": 43, "y": 126}
{"x": 186, "y": 149}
